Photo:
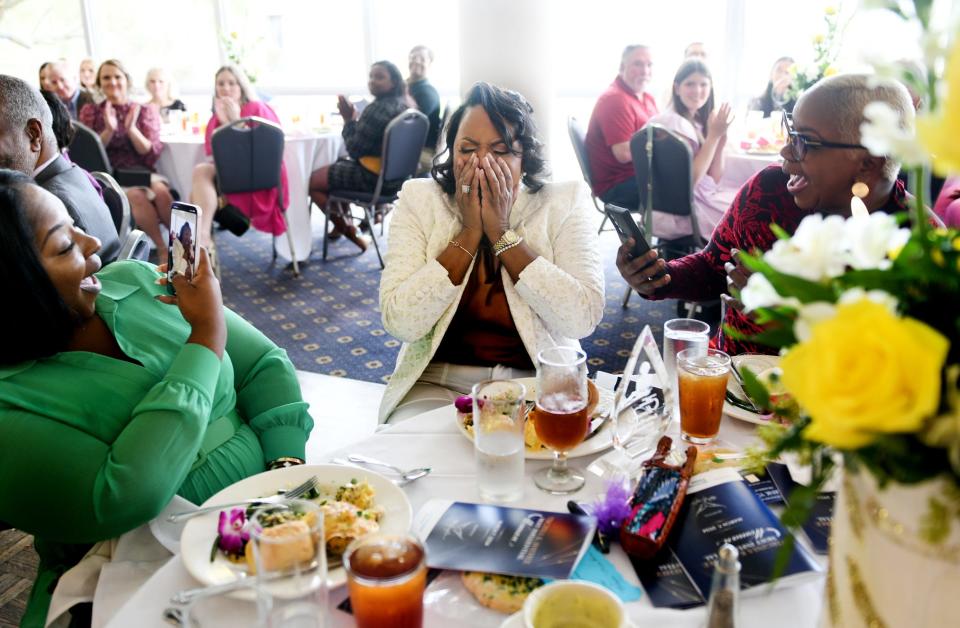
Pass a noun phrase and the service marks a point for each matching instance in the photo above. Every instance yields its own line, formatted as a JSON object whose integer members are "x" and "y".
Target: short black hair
{"x": 62, "y": 126}
{"x": 399, "y": 85}
{"x": 512, "y": 117}
{"x": 39, "y": 324}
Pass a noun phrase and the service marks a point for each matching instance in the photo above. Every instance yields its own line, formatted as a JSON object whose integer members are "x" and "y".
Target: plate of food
{"x": 764, "y": 367}
{"x": 599, "y": 438}
{"x": 355, "y": 502}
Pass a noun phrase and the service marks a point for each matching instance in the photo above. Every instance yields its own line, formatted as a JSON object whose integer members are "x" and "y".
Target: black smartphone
{"x": 627, "y": 228}
{"x": 184, "y": 253}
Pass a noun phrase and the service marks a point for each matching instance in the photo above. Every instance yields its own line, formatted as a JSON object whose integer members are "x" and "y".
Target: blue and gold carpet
{"x": 329, "y": 321}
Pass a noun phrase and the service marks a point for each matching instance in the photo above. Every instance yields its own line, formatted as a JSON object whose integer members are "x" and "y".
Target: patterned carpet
{"x": 329, "y": 320}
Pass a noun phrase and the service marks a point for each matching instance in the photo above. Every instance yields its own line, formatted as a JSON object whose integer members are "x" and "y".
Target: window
{"x": 301, "y": 46}
{"x": 38, "y": 31}
{"x": 179, "y": 35}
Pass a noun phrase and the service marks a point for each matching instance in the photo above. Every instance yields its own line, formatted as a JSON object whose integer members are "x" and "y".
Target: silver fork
{"x": 299, "y": 491}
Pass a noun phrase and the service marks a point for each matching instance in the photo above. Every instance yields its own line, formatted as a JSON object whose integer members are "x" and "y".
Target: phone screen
{"x": 184, "y": 244}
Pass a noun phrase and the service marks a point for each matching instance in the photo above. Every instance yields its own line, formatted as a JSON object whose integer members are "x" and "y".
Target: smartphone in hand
{"x": 626, "y": 227}
{"x": 184, "y": 242}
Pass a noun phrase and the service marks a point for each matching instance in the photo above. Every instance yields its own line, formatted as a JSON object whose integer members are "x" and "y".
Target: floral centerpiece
{"x": 867, "y": 315}
{"x": 826, "y": 46}
{"x": 238, "y": 53}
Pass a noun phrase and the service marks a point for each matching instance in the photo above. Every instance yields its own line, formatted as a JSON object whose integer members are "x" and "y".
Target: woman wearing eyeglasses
{"x": 823, "y": 160}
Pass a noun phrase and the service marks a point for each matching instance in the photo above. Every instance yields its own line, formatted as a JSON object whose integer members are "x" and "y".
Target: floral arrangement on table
{"x": 237, "y": 52}
{"x": 826, "y": 46}
{"x": 867, "y": 315}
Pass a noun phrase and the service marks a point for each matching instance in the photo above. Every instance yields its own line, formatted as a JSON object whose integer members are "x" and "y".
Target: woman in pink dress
{"x": 692, "y": 116}
{"x": 235, "y": 98}
{"x": 131, "y": 136}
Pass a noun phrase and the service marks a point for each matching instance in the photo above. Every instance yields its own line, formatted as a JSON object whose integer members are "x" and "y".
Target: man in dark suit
{"x": 27, "y": 144}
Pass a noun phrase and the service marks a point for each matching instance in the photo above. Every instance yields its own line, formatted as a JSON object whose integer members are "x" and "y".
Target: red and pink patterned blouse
{"x": 120, "y": 149}
{"x": 745, "y": 226}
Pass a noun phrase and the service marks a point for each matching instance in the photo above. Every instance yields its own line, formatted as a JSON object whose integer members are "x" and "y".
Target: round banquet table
{"x": 302, "y": 153}
{"x": 739, "y": 166}
{"x": 433, "y": 439}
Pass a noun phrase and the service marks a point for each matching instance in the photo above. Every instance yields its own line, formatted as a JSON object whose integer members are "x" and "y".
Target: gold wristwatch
{"x": 508, "y": 240}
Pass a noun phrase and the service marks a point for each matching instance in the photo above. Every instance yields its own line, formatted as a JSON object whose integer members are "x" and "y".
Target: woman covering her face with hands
{"x": 114, "y": 396}
{"x": 235, "y": 98}
{"x": 130, "y": 133}
{"x": 487, "y": 264}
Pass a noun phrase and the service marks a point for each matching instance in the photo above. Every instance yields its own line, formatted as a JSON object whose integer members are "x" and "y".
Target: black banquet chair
{"x": 403, "y": 140}
{"x": 248, "y": 157}
{"x": 578, "y": 137}
{"x": 134, "y": 243}
{"x": 663, "y": 164}
{"x": 87, "y": 151}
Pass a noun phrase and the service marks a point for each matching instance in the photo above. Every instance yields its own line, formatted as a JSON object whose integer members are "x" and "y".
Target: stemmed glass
{"x": 561, "y": 416}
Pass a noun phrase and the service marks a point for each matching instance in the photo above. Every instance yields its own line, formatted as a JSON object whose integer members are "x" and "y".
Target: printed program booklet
{"x": 499, "y": 539}
{"x": 719, "y": 508}
{"x": 775, "y": 488}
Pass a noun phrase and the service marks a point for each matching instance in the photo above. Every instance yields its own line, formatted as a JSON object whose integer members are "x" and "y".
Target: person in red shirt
{"x": 622, "y": 110}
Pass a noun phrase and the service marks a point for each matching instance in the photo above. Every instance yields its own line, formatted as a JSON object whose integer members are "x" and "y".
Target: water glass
{"x": 562, "y": 421}
{"x": 386, "y": 577}
{"x": 498, "y": 415}
{"x": 291, "y": 561}
{"x": 703, "y": 386}
{"x": 680, "y": 334}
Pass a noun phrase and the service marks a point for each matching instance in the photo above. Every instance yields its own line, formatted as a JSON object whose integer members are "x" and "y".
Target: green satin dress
{"x": 94, "y": 446}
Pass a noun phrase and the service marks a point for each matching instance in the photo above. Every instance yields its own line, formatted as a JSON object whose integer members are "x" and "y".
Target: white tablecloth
{"x": 738, "y": 167}
{"x": 302, "y": 153}
{"x": 433, "y": 439}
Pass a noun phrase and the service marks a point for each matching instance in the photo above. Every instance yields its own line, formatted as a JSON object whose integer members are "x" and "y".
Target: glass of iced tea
{"x": 702, "y": 382}
{"x": 560, "y": 418}
{"x": 386, "y": 576}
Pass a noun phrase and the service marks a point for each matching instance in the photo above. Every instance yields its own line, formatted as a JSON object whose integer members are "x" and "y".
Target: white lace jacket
{"x": 558, "y": 299}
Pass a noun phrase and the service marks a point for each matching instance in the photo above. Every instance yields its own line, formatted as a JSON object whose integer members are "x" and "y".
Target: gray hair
{"x": 629, "y": 51}
{"x": 846, "y": 96}
{"x": 20, "y": 101}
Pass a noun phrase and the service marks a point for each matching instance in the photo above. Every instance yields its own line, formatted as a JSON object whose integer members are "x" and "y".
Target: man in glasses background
{"x": 822, "y": 160}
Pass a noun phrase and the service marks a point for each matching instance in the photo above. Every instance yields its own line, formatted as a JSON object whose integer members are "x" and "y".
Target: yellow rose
{"x": 938, "y": 130}
{"x": 819, "y": 38}
{"x": 830, "y": 71}
{"x": 865, "y": 372}
{"x": 830, "y": 10}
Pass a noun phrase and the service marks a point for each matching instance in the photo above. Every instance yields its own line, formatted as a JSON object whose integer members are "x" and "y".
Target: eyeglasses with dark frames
{"x": 800, "y": 143}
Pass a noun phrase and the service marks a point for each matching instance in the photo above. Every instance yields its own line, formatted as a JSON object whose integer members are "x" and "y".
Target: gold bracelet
{"x": 461, "y": 247}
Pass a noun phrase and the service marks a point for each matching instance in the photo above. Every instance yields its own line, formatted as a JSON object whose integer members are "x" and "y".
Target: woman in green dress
{"x": 115, "y": 396}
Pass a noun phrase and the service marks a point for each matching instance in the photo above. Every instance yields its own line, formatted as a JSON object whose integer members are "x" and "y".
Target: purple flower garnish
{"x": 464, "y": 404}
{"x": 613, "y": 508}
{"x": 233, "y": 533}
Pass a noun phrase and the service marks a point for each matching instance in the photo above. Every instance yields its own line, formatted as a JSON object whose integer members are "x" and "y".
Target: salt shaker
{"x": 724, "y": 590}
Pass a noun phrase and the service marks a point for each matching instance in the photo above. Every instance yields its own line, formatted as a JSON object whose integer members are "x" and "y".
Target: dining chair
{"x": 87, "y": 151}
{"x": 403, "y": 140}
{"x": 248, "y": 157}
{"x": 578, "y": 137}
{"x": 663, "y": 166}
{"x": 135, "y": 243}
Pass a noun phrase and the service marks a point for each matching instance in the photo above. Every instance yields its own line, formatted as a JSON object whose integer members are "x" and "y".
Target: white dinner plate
{"x": 200, "y": 532}
{"x": 601, "y": 441}
{"x": 757, "y": 363}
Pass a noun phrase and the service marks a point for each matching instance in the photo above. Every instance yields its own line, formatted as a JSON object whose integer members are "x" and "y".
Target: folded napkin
{"x": 114, "y": 569}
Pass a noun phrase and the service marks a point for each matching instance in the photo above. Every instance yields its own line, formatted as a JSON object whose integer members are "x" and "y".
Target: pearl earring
{"x": 860, "y": 189}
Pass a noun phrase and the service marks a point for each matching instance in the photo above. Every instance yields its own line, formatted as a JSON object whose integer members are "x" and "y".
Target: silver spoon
{"x": 406, "y": 476}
